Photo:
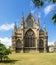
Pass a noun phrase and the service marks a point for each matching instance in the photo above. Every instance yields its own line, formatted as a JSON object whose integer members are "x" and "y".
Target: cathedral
{"x": 29, "y": 37}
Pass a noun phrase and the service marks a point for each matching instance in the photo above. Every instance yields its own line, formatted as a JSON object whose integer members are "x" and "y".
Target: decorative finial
{"x": 15, "y": 27}
{"x": 37, "y": 19}
{"x": 22, "y": 20}
{"x": 44, "y": 26}
{"x": 22, "y": 14}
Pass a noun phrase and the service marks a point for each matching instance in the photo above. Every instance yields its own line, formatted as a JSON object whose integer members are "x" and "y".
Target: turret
{"x": 44, "y": 28}
{"x": 45, "y": 39}
{"x": 22, "y": 24}
{"x": 37, "y": 20}
{"x": 15, "y": 27}
{"x": 14, "y": 37}
{"x": 22, "y": 20}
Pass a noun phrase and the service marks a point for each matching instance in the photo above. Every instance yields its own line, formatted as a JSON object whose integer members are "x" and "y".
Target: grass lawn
{"x": 31, "y": 59}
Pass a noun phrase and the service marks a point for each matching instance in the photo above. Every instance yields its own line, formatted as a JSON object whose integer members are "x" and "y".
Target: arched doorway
{"x": 18, "y": 46}
{"x": 41, "y": 45}
{"x": 29, "y": 39}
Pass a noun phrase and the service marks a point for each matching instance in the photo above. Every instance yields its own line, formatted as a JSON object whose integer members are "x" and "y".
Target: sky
{"x": 11, "y": 11}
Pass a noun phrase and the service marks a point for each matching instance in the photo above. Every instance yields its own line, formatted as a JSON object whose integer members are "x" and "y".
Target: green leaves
{"x": 3, "y": 51}
{"x": 38, "y": 3}
{"x": 53, "y": 1}
{"x": 54, "y": 18}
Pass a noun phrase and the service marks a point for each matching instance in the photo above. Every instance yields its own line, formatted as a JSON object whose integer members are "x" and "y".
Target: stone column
{"x": 38, "y": 45}
{"x": 13, "y": 46}
{"x": 22, "y": 46}
{"x": 45, "y": 50}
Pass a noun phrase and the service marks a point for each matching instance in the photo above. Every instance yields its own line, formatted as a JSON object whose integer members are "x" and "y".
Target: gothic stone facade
{"x": 29, "y": 37}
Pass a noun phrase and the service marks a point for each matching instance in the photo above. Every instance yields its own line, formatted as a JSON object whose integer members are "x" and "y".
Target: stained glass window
{"x": 41, "y": 45}
{"x": 18, "y": 44}
{"x": 29, "y": 39}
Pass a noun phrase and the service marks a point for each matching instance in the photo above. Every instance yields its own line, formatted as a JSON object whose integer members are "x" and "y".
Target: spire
{"x": 22, "y": 15}
{"x": 22, "y": 20}
{"x": 15, "y": 27}
{"x": 44, "y": 27}
{"x": 37, "y": 19}
{"x": 30, "y": 14}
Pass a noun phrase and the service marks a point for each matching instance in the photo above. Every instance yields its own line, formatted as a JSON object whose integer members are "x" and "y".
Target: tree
{"x": 4, "y": 52}
{"x": 40, "y": 3}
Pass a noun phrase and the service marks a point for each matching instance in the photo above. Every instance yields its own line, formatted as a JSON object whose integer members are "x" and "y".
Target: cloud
{"x": 48, "y": 9}
{"x": 51, "y": 43}
{"x": 6, "y": 26}
{"x": 6, "y": 41}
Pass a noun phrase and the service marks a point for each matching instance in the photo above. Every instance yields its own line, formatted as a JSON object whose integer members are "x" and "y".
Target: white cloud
{"x": 6, "y": 41}
{"x": 6, "y": 26}
{"x": 48, "y": 9}
{"x": 51, "y": 43}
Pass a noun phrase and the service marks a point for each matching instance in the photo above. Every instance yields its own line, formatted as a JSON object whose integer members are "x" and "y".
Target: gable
{"x": 29, "y": 20}
{"x": 29, "y": 17}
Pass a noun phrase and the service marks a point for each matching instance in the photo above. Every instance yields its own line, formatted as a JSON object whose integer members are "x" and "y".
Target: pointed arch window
{"x": 29, "y": 39}
{"x": 18, "y": 44}
{"x": 41, "y": 43}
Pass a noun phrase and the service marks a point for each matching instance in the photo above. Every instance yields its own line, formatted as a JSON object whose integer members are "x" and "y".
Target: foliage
{"x": 53, "y": 1}
{"x": 3, "y": 52}
{"x": 40, "y": 3}
{"x": 54, "y": 18}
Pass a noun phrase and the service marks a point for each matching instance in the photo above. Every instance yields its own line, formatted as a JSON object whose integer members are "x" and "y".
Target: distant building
{"x": 55, "y": 46}
{"x": 51, "y": 48}
{"x": 29, "y": 37}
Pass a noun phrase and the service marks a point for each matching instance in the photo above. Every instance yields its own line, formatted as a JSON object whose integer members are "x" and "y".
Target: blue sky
{"x": 11, "y": 11}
